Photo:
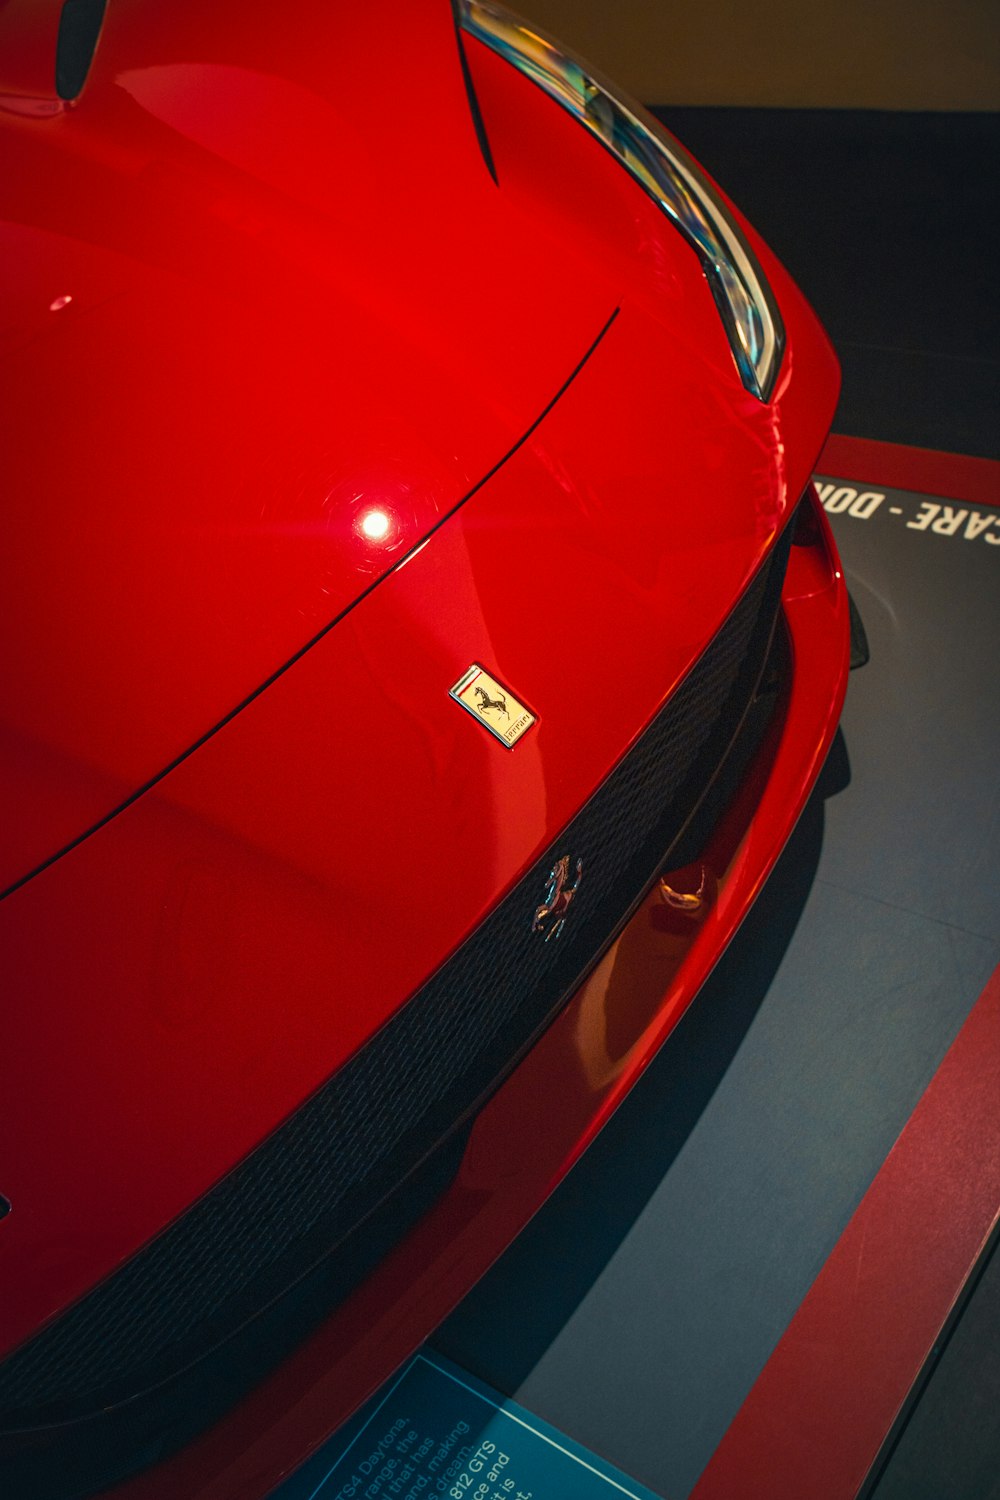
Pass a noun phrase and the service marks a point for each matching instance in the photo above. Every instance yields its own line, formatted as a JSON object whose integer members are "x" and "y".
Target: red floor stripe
{"x": 825, "y": 1401}
{"x": 954, "y": 476}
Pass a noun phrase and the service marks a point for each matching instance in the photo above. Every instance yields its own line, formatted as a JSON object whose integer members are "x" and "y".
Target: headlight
{"x": 751, "y": 318}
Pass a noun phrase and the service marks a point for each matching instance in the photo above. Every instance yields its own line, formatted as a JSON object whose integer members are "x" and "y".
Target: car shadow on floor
{"x": 518, "y": 1309}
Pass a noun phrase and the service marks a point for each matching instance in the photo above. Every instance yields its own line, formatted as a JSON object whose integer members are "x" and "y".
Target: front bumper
{"x": 551, "y": 1106}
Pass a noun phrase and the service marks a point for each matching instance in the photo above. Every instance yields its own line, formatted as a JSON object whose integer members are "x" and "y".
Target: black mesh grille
{"x": 326, "y": 1167}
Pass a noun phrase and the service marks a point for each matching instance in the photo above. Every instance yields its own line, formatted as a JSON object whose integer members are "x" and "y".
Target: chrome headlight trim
{"x": 744, "y": 299}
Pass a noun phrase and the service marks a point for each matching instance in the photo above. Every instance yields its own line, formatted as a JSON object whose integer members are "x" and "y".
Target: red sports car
{"x": 419, "y": 639}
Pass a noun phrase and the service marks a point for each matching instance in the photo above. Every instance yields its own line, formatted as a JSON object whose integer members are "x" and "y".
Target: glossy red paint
{"x": 260, "y": 870}
{"x": 299, "y": 298}
{"x": 281, "y": 315}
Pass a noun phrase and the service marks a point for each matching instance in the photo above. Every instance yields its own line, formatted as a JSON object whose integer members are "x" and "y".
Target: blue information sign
{"x": 436, "y": 1433}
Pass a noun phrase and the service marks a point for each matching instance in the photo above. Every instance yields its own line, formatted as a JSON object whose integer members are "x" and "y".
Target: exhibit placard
{"x": 437, "y": 1433}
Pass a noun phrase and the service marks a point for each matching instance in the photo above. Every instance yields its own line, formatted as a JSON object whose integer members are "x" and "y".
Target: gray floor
{"x": 639, "y": 1307}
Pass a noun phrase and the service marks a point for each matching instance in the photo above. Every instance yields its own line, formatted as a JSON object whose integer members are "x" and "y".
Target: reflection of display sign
{"x": 439, "y": 1434}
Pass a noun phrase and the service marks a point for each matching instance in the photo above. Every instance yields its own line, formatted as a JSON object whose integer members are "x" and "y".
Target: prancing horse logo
{"x": 557, "y": 898}
{"x": 492, "y": 705}
{"x": 485, "y": 701}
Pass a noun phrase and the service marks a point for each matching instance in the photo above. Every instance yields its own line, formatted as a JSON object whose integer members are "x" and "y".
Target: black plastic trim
{"x": 79, "y": 28}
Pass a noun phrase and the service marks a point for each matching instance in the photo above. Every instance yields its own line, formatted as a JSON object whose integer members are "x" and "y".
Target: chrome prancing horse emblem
{"x": 558, "y": 898}
{"x": 485, "y": 701}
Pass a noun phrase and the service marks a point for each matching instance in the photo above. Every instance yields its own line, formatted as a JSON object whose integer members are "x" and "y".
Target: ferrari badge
{"x": 494, "y": 707}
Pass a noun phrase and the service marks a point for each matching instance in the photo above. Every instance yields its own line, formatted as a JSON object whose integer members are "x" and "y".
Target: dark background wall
{"x": 862, "y": 139}
{"x": 842, "y": 54}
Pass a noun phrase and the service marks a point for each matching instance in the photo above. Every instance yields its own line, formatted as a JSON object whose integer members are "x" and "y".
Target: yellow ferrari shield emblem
{"x": 495, "y": 708}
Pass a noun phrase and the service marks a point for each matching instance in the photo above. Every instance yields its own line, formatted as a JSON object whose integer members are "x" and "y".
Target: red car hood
{"x": 182, "y": 979}
{"x": 250, "y": 295}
